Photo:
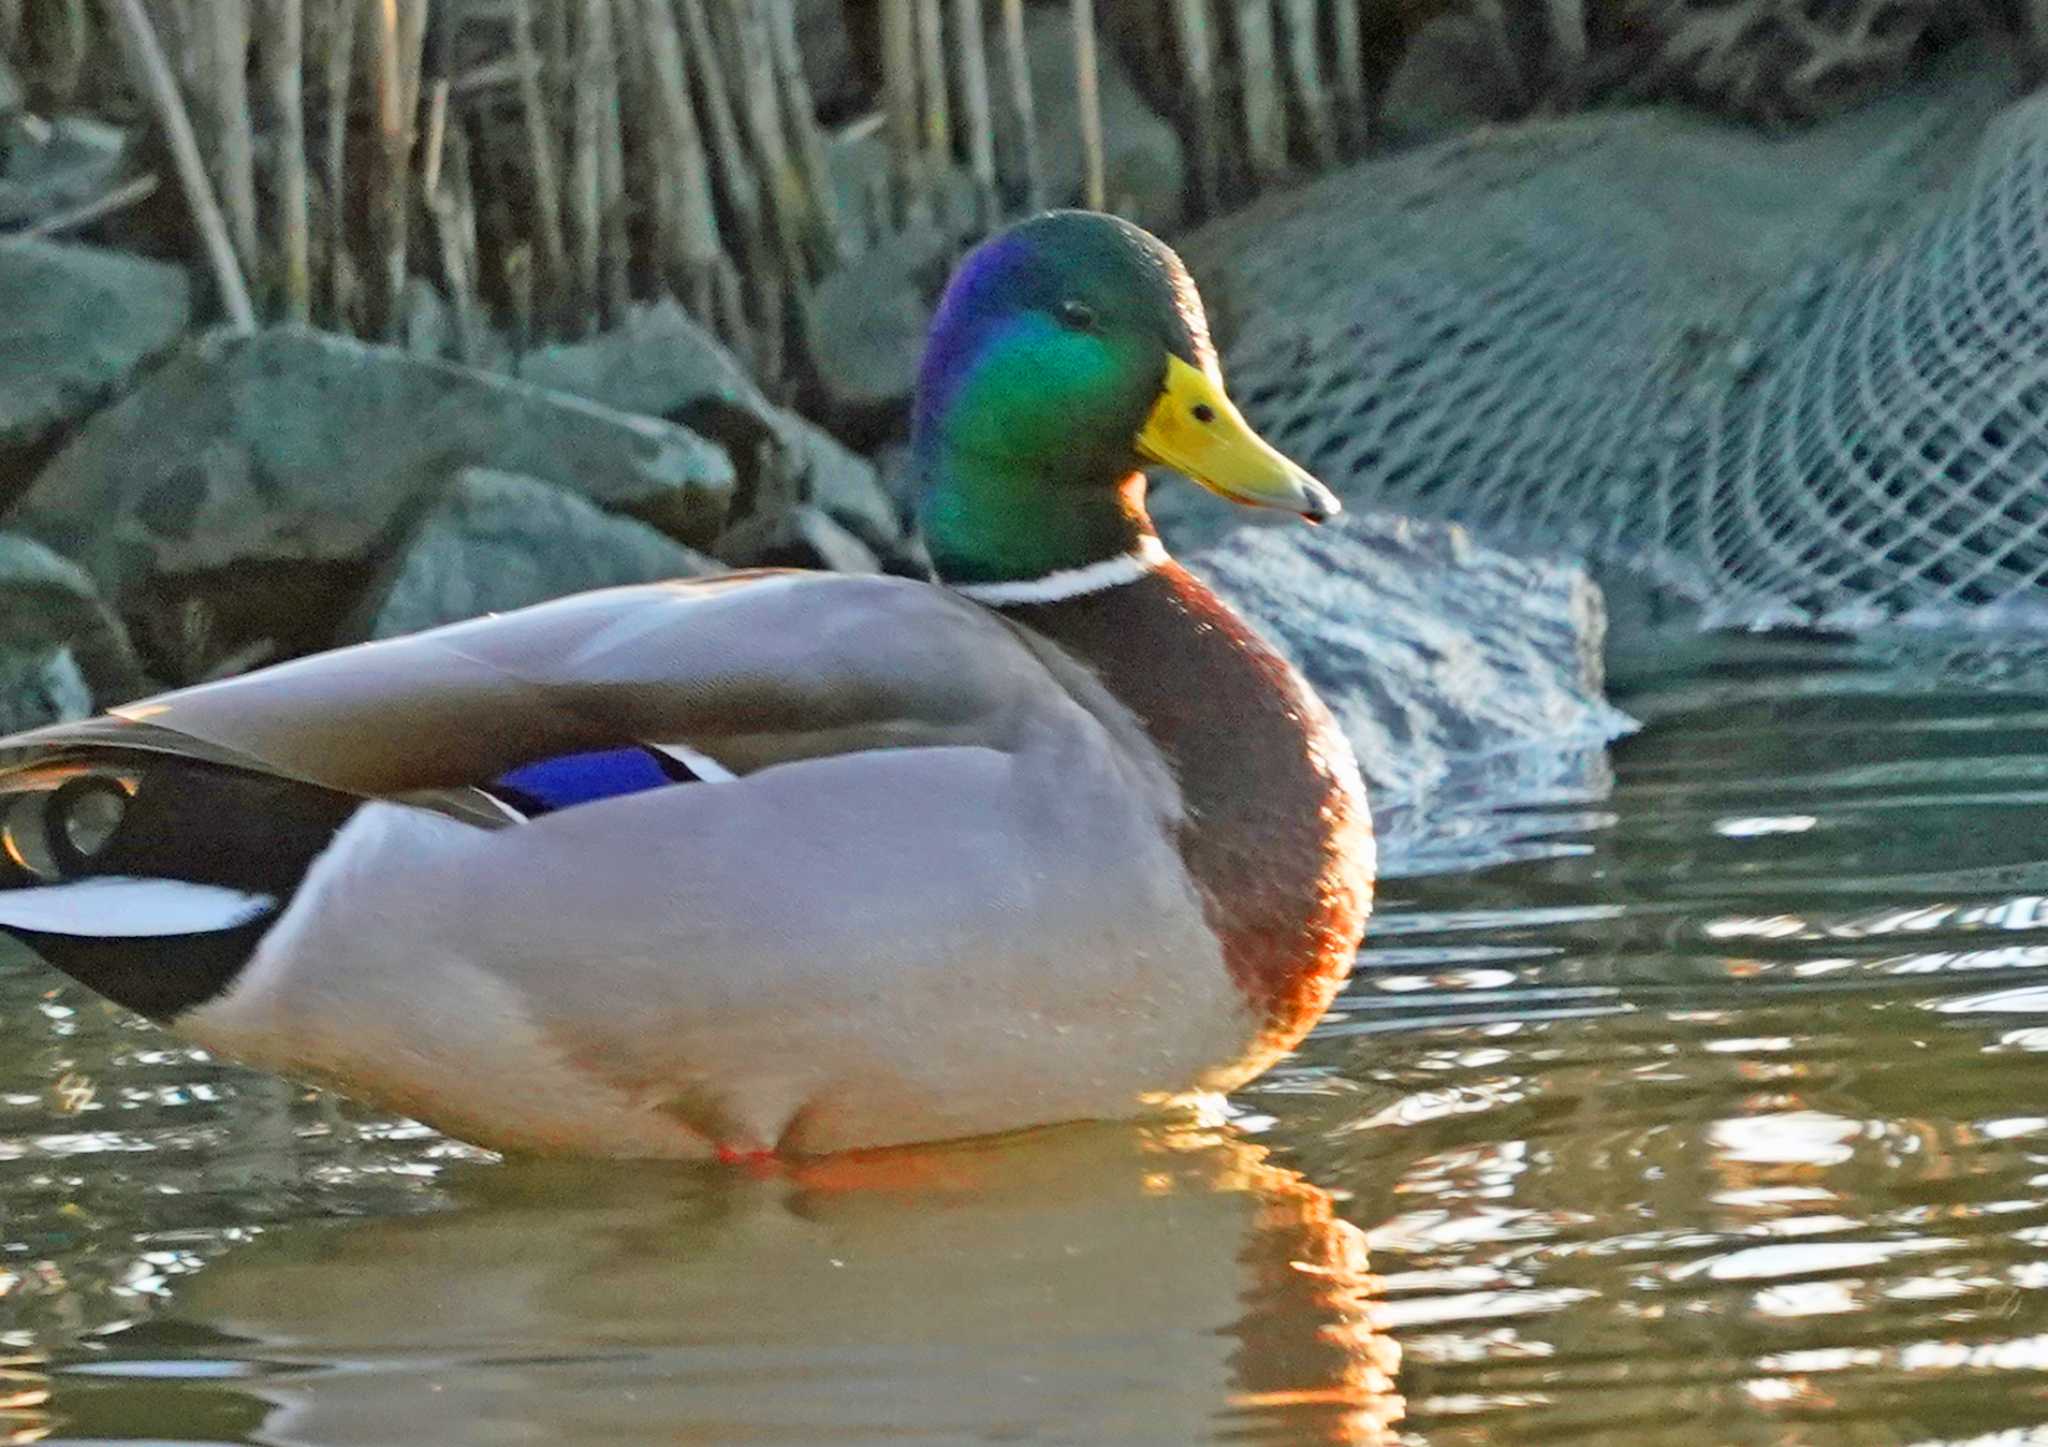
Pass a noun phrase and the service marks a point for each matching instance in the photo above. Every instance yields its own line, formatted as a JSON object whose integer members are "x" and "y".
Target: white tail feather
{"x": 119, "y": 906}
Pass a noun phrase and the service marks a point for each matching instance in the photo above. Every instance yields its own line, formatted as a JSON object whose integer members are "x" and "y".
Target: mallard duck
{"x": 775, "y": 863}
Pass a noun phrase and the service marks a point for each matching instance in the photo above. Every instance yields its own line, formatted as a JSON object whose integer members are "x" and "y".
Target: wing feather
{"x": 749, "y": 669}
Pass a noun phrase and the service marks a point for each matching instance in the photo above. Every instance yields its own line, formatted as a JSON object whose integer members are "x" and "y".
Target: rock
{"x": 660, "y": 362}
{"x": 46, "y": 169}
{"x": 847, "y": 488}
{"x": 868, "y": 320}
{"x": 498, "y": 541}
{"x": 799, "y": 537}
{"x": 1449, "y": 80}
{"x": 429, "y": 324}
{"x": 857, "y": 164}
{"x": 76, "y": 324}
{"x": 61, "y": 650}
{"x": 38, "y": 688}
{"x": 291, "y": 447}
{"x": 1456, "y": 670}
{"x": 1143, "y": 168}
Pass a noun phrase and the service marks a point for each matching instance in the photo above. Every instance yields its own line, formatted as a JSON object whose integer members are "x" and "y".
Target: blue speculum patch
{"x": 566, "y": 780}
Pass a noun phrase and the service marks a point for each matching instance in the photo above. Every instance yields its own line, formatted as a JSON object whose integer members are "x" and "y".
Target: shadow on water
{"x": 1711, "y": 1110}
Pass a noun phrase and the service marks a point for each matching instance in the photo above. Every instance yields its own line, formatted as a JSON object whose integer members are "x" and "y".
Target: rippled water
{"x": 1713, "y": 1112}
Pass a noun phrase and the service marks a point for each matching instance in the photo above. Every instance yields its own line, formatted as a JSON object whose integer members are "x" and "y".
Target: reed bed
{"x": 545, "y": 164}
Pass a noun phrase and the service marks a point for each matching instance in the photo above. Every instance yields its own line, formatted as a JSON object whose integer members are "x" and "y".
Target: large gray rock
{"x": 293, "y": 447}
{"x": 661, "y": 363}
{"x": 499, "y": 541}
{"x": 76, "y": 323}
{"x": 868, "y": 320}
{"x": 1458, "y": 672}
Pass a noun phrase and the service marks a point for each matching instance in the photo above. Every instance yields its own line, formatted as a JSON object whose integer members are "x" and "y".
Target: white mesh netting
{"x": 1793, "y": 381}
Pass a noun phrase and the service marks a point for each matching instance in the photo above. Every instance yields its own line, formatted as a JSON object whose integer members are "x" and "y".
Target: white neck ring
{"x": 1114, "y": 572}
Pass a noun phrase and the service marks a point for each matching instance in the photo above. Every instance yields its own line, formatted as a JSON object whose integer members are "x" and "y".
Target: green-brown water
{"x": 1712, "y": 1111}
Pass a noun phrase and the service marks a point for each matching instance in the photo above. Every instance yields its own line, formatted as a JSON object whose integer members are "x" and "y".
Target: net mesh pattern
{"x": 1794, "y": 382}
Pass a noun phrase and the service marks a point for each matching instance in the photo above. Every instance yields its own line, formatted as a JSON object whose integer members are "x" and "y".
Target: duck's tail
{"x": 148, "y": 875}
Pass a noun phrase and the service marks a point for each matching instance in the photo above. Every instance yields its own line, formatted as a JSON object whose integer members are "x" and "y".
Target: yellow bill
{"x": 1194, "y": 428}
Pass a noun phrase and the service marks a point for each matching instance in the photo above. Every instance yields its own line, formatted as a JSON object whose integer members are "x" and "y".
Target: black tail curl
{"x": 139, "y": 815}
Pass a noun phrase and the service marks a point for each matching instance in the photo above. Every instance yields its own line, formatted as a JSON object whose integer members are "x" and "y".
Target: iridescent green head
{"x": 1067, "y": 351}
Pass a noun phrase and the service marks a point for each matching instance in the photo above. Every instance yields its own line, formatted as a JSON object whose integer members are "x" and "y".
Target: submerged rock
{"x": 76, "y": 324}
{"x": 1456, "y": 670}
{"x": 291, "y": 447}
{"x": 499, "y": 541}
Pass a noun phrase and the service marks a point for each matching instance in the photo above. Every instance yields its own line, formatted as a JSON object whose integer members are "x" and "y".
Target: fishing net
{"x": 1800, "y": 380}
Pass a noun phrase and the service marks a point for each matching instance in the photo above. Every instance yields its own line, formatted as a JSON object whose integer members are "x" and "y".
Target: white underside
{"x": 954, "y": 948}
{"x": 117, "y": 906}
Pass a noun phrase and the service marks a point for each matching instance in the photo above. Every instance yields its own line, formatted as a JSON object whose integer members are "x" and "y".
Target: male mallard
{"x": 778, "y": 861}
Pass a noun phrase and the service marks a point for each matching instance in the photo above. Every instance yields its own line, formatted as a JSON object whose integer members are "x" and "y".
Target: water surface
{"x": 1711, "y": 1111}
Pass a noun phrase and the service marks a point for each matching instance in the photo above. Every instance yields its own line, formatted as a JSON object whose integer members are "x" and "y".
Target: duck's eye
{"x": 1077, "y": 316}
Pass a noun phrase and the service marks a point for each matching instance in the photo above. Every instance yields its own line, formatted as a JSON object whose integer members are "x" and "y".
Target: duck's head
{"x": 1068, "y": 351}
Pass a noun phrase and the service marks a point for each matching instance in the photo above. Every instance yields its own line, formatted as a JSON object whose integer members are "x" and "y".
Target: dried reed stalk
{"x": 1198, "y": 77}
{"x": 153, "y": 77}
{"x": 1305, "y": 75}
{"x": 970, "y": 45}
{"x": 340, "y": 82}
{"x": 1018, "y": 64}
{"x": 412, "y": 54}
{"x": 438, "y": 83}
{"x": 800, "y": 120}
{"x": 899, "y": 106}
{"x": 1347, "y": 63}
{"x": 695, "y": 265}
{"x": 388, "y": 200}
{"x": 586, "y": 193}
{"x": 127, "y": 194}
{"x": 69, "y": 49}
{"x": 737, "y": 180}
{"x": 234, "y": 134}
{"x": 1088, "y": 90}
{"x": 611, "y": 178}
{"x": 935, "y": 119}
{"x": 284, "y": 56}
{"x": 453, "y": 207}
{"x": 750, "y": 56}
{"x": 546, "y": 218}
{"x": 1264, "y": 119}
{"x": 12, "y": 96}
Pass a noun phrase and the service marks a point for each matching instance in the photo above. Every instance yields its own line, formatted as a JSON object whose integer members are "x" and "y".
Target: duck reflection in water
{"x": 1102, "y": 1283}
